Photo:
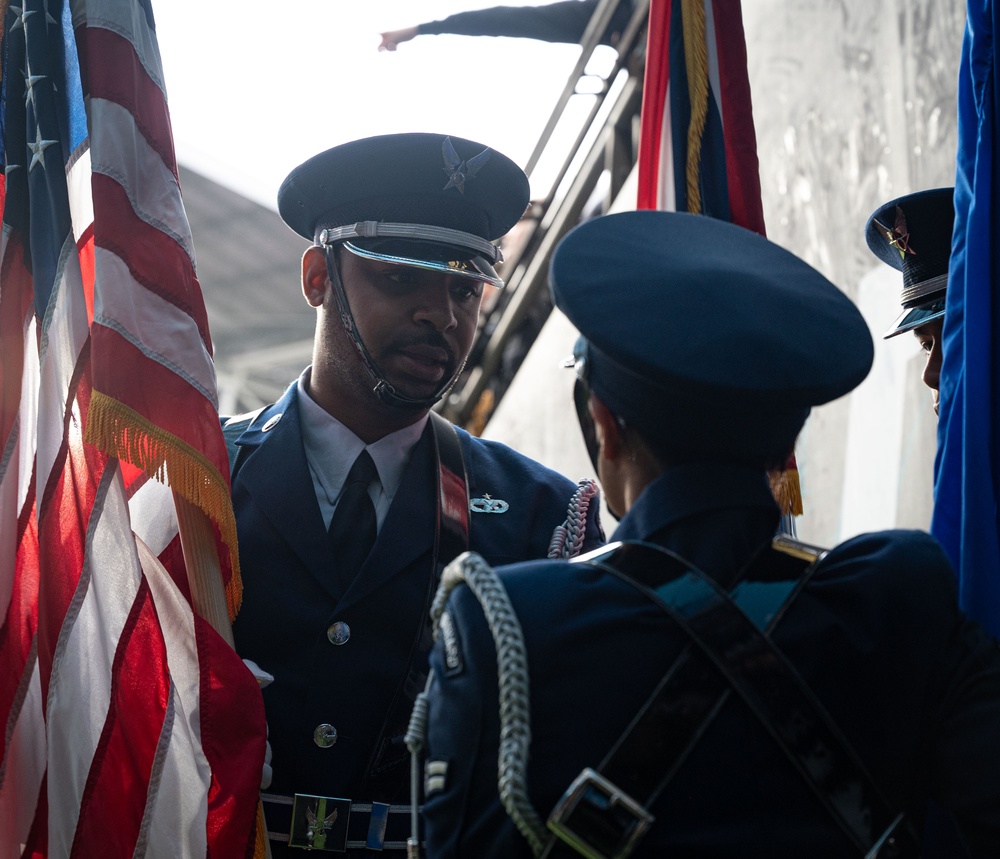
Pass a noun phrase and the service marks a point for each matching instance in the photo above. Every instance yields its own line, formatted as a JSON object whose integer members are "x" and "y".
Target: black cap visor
{"x": 913, "y": 317}
{"x": 448, "y": 259}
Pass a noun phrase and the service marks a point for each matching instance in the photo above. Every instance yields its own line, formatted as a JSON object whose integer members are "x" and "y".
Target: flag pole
{"x": 208, "y": 597}
{"x": 202, "y": 563}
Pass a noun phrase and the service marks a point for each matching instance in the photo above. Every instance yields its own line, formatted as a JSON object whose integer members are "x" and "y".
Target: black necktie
{"x": 353, "y": 527}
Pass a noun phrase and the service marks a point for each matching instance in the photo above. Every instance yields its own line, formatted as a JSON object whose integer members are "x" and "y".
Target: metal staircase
{"x": 593, "y": 168}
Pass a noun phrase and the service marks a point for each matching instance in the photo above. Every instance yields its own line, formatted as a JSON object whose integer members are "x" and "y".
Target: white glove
{"x": 259, "y": 674}
{"x": 265, "y": 773}
{"x": 263, "y": 679}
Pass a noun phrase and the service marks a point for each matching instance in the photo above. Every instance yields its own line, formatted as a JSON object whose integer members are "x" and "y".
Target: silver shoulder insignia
{"x": 271, "y": 423}
{"x": 803, "y": 551}
{"x": 435, "y": 776}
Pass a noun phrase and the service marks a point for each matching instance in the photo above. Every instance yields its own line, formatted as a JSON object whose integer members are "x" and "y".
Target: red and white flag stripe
{"x": 131, "y": 728}
{"x": 698, "y": 149}
{"x": 697, "y": 143}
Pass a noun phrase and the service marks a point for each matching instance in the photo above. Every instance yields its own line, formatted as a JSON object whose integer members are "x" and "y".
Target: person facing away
{"x": 913, "y": 234}
{"x": 700, "y": 688}
{"x": 564, "y": 21}
{"x": 350, "y": 494}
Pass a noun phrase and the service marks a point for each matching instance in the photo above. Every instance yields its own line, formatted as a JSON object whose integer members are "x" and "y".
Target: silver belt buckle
{"x": 319, "y": 823}
{"x": 597, "y": 819}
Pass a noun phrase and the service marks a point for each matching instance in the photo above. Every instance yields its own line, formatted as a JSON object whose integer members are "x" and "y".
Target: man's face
{"x": 418, "y": 325}
{"x": 929, "y": 338}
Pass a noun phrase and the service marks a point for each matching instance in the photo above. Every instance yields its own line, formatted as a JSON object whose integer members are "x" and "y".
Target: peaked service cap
{"x": 706, "y": 337}
{"x": 913, "y": 234}
{"x": 428, "y": 200}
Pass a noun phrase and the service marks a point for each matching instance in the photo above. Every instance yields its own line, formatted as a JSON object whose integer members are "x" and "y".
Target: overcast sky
{"x": 255, "y": 88}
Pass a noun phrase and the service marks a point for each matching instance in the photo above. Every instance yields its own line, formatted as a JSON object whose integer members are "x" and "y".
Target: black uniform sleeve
{"x": 955, "y": 663}
{"x": 965, "y": 762}
{"x": 564, "y": 21}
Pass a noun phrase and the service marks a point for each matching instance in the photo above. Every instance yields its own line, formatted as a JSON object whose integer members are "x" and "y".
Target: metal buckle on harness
{"x": 597, "y": 819}
{"x": 320, "y": 823}
{"x": 889, "y": 844}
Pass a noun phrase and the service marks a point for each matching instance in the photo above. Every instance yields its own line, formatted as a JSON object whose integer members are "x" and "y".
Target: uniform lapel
{"x": 276, "y": 475}
{"x": 410, "y": 527}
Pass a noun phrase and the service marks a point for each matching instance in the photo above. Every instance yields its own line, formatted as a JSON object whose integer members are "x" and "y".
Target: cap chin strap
{"x": 380, "y": 385}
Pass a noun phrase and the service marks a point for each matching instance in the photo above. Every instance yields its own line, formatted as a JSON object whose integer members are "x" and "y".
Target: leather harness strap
{"x": 453, "y": 495}
{"x": 390, "y": 759}
{"x": 729, "y": 649}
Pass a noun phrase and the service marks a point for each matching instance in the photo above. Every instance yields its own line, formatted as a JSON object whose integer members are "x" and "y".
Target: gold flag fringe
{"x": 786, "y": 491}
{"x": 476, "y": 424}
{"x": 696, "y": 62}
{"x": 261, "y": 848}
{"x": 125, "y": 434}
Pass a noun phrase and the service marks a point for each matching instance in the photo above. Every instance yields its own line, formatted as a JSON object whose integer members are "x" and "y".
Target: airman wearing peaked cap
{"x": 350, "y": 494}
{"x": 713, "y": 341}
{"x": 913, "y": 235}
{"x": 700, "y": 687}
{"x": 420, "y": 199}
{"x": 426, "y": 201}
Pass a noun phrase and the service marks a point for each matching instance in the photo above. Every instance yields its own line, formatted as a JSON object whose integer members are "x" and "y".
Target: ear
{"x": 315, "y": 278}
{"x": 609, "y": 432}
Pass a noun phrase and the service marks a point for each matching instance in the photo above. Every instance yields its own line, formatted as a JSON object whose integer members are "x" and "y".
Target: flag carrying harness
{"x": 604, "y": 812}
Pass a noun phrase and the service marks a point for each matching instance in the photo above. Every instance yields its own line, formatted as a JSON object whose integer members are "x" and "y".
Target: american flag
{"x": 129, "y": 726}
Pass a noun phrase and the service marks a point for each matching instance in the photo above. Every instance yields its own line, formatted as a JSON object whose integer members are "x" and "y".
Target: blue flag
{"x": 967, "y": 470}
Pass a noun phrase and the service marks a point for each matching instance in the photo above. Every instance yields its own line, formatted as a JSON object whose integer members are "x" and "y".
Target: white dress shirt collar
{"x": 331, "y": 449}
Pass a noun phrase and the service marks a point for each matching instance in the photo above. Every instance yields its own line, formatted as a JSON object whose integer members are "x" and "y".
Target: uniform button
{"x": 325, "y": 736}
{"x": 338, "y": 633}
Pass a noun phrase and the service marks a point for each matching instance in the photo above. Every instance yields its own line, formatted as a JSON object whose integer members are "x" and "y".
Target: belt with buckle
{"x": 335, "y": 824}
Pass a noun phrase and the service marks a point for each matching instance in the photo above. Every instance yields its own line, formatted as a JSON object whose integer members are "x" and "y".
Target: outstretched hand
{"x": 392, "y": 38}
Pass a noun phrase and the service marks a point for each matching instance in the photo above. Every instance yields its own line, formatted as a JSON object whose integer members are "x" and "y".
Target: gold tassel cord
{"x": 123, "y": 433}
{"x": 261, "y": 847}
{"x": 696, "y": 63}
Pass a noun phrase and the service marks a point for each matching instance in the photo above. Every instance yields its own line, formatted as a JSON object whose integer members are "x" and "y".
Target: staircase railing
{"x": 592, "y": 169}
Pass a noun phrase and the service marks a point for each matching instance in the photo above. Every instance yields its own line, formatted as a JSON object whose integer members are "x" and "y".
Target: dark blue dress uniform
{"x": 348, "y": 659}
{"x": 716, "y": 316}
{"x": 339, "y": 658}
{"x": 877, "y": 635}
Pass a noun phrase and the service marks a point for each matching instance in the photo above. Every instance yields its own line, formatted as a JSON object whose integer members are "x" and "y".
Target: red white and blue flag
{"x": 129, "y": 727}
{"x": 697, "y": 146}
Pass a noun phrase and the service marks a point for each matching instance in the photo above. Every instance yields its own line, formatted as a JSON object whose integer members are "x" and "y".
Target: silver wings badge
{"x": 319, "y": 827}
{"x": 459, "y": 171}
{"x": 488, "y": 504}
